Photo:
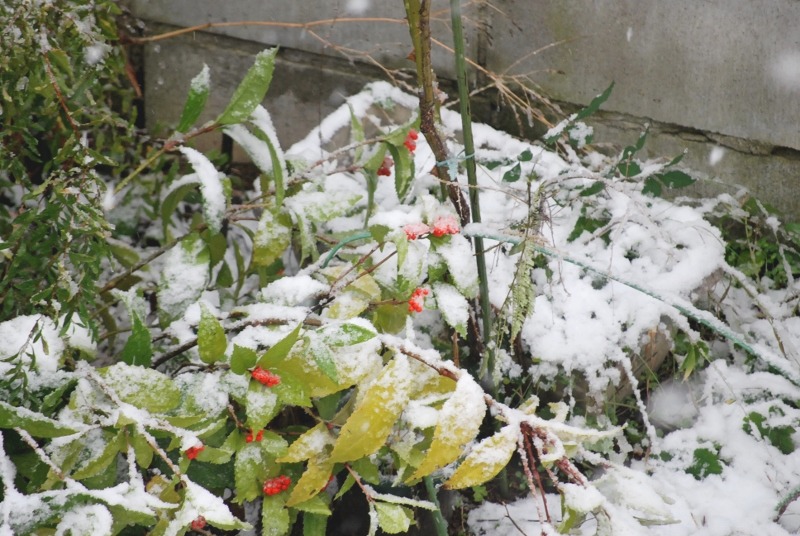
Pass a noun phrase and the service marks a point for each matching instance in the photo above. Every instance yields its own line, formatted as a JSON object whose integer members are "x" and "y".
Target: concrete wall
{"x": 716, "y": 77}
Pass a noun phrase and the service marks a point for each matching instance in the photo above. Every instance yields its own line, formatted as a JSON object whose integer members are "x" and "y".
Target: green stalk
{"x": 472, "y": 180}
{"x": 438, "y": 519}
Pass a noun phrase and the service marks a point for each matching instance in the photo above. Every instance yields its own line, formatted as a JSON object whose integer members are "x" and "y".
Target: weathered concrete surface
{"x": 725, "y": 66}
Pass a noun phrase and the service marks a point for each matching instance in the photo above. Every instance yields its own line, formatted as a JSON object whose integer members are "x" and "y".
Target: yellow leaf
{"x": 459, "y": 422}
{"x": 313, "y": 481}
{"x": 310, "y": 444}
{"x": 486, "y": 459}
{"x": 376, "y": 413}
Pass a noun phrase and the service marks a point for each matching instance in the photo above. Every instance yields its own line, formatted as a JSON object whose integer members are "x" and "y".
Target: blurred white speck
{"x": 716, "y": 155}
{"x": 629, "y": 34}
{"x": 786, "y": 69}
{"x": 357, "y": 7}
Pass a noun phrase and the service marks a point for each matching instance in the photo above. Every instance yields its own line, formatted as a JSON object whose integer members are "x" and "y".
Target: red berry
{"x": 445, "y": 225}
{"x": 386, "y": 166}
{"x": 276, "y": 485}
{"x": 199, "y": 523}
{"x": 192, "y": 452}
{"x": 416, "y": 300}
{"x": 265, "y": 377}
{"x": 258, "y": 437}
{"x": 415, "y": 230}
{"x": 410, "y": 141}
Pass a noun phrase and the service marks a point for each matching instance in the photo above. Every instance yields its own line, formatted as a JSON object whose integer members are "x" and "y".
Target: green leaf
{"x": 262, "y": 405}
{"x": 629, "y": 168}
{"x": 141, "y": 449}
{"x": 652, "y": 186}
{"x": 314, "y": 524}
{"x": 459, "y": 423}
{"x": 595, "y": 104}
{"x": 513, "y": 174}
{"x": 280, "y": 350}
{"x": 315, "y": 505}
{"x": 141, "y": 387}
{"x": 348, "y": 334}
{"x": 251, "y": 90}
{"x": 242, "y": 359}
{"x": 403, "y": 170}
{"x": 138, "y": 348}
{"x": 374, "y": 417}
{"x": 393, "y": 518}
{"x": 211, "y": 339}
{"x": 277, "y": 169}
{"x": 249, "y": 472}
{"x": 323, "y": 357}
{"x": 311, "y": 444}
{"x": 292, "y": 391}
{"x": 706, "y": 462}
{"x": 486, "y": 459}
{"x": 196, "y": 100}
{"x": 525, "y": 156}
{"x": 34, "y": 423}
{"x": 272, "y": 237}
{"x": 676, "y": 179}
{"x": 101, "y": 462}
{"x": 171, "y": 201}
{"x": 595, "y": 188}
{"x": 275, "y": 519}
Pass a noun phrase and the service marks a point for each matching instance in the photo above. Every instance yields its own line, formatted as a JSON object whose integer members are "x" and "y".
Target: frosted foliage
{"x": 90, "y": 520}
{"x": 463, "y": 412}
{"x": 183, "y": 277}
{"x": 210, "y": 186}
{"x": 17, "y": 336}
{"x": 296, "y": 290}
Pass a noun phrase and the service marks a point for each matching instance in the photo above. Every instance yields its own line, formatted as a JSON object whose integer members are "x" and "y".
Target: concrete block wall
{"x": 720, "y": 78}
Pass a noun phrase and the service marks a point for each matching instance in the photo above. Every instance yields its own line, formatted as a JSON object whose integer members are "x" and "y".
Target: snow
{"x": 214, "y": 201}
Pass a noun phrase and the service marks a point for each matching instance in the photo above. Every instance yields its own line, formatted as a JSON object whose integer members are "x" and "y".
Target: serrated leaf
{"x": 310, "y": 444}
{"x": 513, "y": 174}
{"x": 280, "y": 349}
{"x": 249, "y": 472}
{"x": 393, "y": 518}
{"x": 459, "y": 423}
{"x": 315, "y": 505}
{"x": 211, "y": 339}
{"x": 374, "y": 417}
{"x": 138, "y": 348}
{"x": 275, "y": 520}
{"x": 292, "y": 391}
{"x": 196, "y": 100}
{"x": 272, "y": 237}
{"x": 200, "y": 501}
{"x": 312, "y": 482}
{"x": 242, "y": 359}
{"x": 348, "y": 334}
{"x": 323, "y": 357}
{"x": 144, "y": 388}
{"x": 315, "y": 524}
{"x": 486, "y": 459}
{"x": 251, "y": 90}
{"x": 34, "y": 423}
{"x": 262, "y": 405}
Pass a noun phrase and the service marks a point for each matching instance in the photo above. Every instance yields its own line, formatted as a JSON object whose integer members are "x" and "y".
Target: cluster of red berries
{"x": 199, "y": 523}
{"x": 265, "y": 377}
{"x": 417, "y": 299}
{"x": 386, "y": 167}
{"x": 258, "y": 437}
{"x": 273, "y": 486}
{"x": 411, "y": 140}
{"x": 192, "y": 452}
{"x": 444, "y": 225}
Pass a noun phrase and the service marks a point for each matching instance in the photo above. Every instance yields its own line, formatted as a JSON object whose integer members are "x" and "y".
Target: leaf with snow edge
{"x": 272, "y": 237}
{"x": 250, "y": 470}
{"x": 86, "y": 520}
{"x": 348, "y": 333}
{"x": 104, "y": 458}
{"x": 196, "y": 100}
{"x": 374, "y": 417}
{"x": 403, "y": 170}
{"x": 242, "y": 359}
{"x": 141, "y": 449}
{"x": 183, "y": 278}
{"x": 486, "y": 459}
{"x": 323, "y": 357}
{"x": 251, "y": 90}
{"x": 275, "y": 520}
{"x": 459, "y": 423}
{"x": 211, "y": 339}
{"x": 393, "y": 518}
{"x": 292, "y": 391}
{"x": 634, "y": 491}
{"x": 453, "y": 307}
{"x": 280, "y": 349}
{"x": 141, "y": 387}
{"x": 34, "y": 423}
{"x": 170, "y": 202}
{"x": 138, "y": 349}
{"x": 312, "y": 482}
{"x": 198, "y": 501}
{"x": 215, "y": 197}
{"x": 407, "y": 501}
{"x": 262, "y": 405}
{"x": 265, "y": 131}
{"x": 310, "y": 444}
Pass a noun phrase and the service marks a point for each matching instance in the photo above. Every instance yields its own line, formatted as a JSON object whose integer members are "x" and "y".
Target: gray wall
{"x": 716, "y": 77}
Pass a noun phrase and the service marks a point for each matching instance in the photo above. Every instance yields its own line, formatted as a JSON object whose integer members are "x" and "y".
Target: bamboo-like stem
{"x": 438, "y": 519}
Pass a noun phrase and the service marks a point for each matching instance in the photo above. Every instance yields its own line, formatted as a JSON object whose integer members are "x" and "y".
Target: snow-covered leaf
{"x": 196, "y": 100}
{"x": 215, "y": 193}
{"x": 312, "y": 482}
{"x": 280, "y": 350}
{"x": 138, "y": 349}
{"x": 486, "y": 459}
{"x": 262, "y": 405}
{"x": 242, "y": 359}
{"x": 211, "y": 339}
{"x": 184, "y": 277}
{"x": 144, "y": 388}
{"x": 36, "y": 424}
{"x": 459, "y": 422}
{"x": 275, "y": 519}
{"x": 310, "y": 444}
{"x": 251, "y": 90}
{"x": 453, "y": 306}
{"x": 368, "y": 427}
{"x": 393, "y": 518}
